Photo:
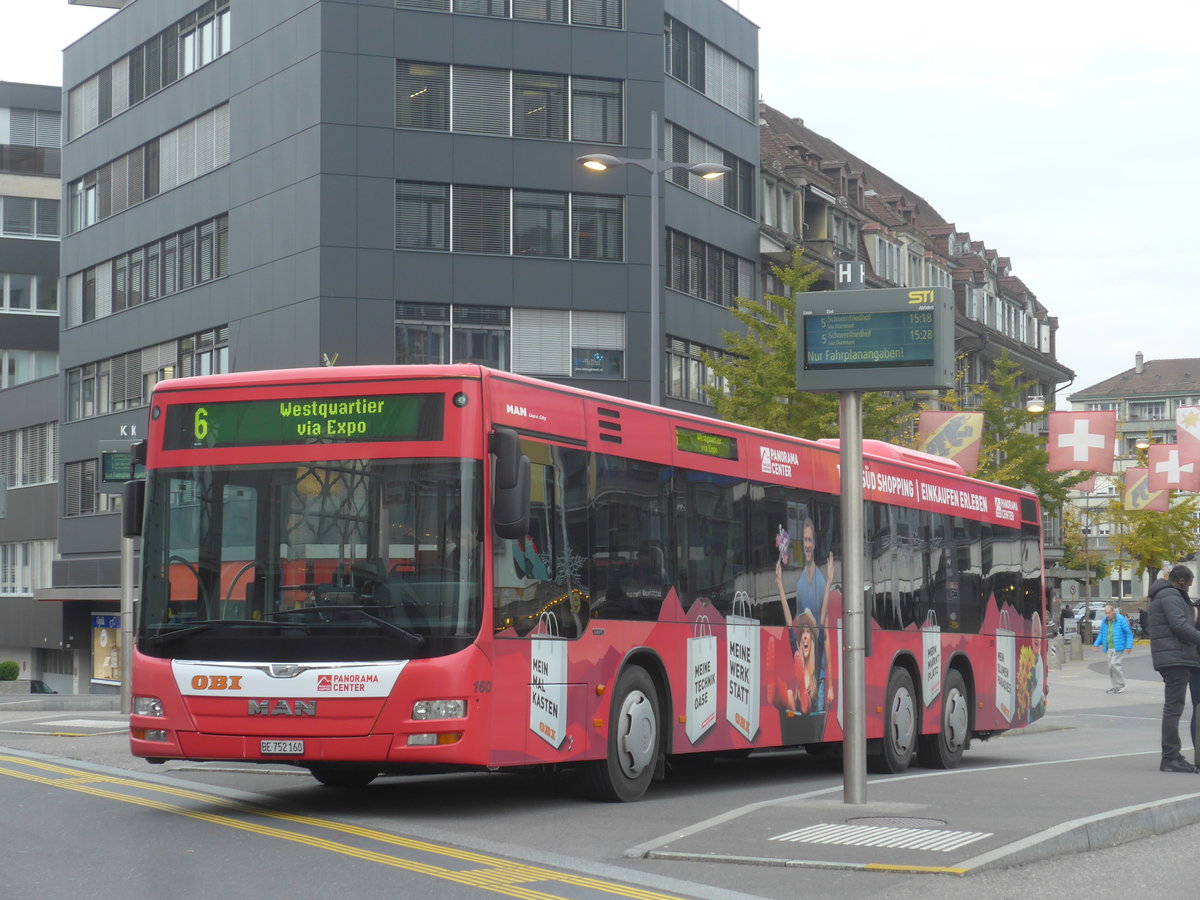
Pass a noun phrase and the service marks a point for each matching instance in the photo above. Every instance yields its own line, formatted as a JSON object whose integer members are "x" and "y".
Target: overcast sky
{"x": 1061, "y": 135}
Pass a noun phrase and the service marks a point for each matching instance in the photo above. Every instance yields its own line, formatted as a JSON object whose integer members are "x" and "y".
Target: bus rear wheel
{"x": 899, "y": 725}
{"x": 343, "y": 775}
{"x": 633, "y": 742}
{"x": 944, "y": 750}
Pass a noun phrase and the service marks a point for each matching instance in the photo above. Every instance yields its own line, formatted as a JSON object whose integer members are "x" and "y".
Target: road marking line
{"x": 499, "y": 875}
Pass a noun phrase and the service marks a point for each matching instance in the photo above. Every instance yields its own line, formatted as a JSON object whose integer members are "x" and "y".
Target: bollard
{"x": 1056, "y": 650}
{"x": 1076, "y": 647}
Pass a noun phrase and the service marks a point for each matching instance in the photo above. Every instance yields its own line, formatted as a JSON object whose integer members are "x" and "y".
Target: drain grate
{"x": 937, "y": 839}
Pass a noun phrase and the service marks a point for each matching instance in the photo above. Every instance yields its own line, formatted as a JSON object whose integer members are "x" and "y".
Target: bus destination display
{"x": 868, "y": 339}
{"x": 312, "y": 420}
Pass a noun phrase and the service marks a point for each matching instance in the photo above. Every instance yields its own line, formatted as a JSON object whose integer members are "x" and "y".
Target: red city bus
{"x": 437, "y": 568}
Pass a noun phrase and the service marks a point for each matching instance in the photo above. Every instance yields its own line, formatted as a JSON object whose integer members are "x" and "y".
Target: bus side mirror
{"x": 510, "y": 483}
{"x": 133, "y": 504}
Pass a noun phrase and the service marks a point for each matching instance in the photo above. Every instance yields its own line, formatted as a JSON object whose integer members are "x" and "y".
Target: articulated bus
{"x": 407, "y": 569}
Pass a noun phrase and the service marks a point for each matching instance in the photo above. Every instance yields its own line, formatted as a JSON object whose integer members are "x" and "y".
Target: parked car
{"x": 1094, "y": 615}
{"x": 37, "y": 686}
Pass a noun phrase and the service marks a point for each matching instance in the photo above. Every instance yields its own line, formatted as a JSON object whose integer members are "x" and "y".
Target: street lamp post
{"x": 598, "y": 162}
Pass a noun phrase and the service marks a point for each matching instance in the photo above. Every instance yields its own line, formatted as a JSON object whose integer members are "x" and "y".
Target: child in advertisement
{"x": 808, "y": 690}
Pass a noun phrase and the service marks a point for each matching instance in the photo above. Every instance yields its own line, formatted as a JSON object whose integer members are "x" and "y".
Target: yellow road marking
{"x": 497, "y": 875}
{"x": 933, "y": 870}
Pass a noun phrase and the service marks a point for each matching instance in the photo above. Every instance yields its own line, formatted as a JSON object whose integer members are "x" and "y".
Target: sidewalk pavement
{"x": 59, "y": 702}
{"x": 1049, "y": 790}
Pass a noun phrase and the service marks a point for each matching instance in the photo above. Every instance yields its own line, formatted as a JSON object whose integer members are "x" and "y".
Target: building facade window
{"x": 734, "y": 190}
{"x": 432, "y": 333}
{"x": 887, "y": 260}
{"x": 597, "y": 13}
{"x": 25, "y": 567}
{"x": 30, "y": 142}
{"x": 689, "y": 371}
{"x": 29, "y": 217}
{"x": 80, "y": 494}
{"x": 20, "y": 366}
{"x": 500, "y": 220}
{"x": 706, "y": 271}
{"x": 125, "y": 381}
{"x": 559, "y": 343}
{"x": 539, "y": 223}
{"x": 708, "y": 69}
{"x": 185, "y": 46}
{"x": 177, "y": 157}
{"x": 597, "y": 227}
{"x": 29, "y": 456}
{"x": 194, "y": 256}
{"x": 33, "y": 294}
{"x": 422, "y": 216}
{"x": 545, "y": 342}
{"x": 442, "y": 97}
{"x": 481, "y": 219}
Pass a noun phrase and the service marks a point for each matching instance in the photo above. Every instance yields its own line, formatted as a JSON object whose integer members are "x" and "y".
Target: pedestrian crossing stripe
{"x": 937, "y": 839}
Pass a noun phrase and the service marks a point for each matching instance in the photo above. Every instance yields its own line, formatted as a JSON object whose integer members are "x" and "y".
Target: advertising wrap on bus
{"x": 498, "y": 572}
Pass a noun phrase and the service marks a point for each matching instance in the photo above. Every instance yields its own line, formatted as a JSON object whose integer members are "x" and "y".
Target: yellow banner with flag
{"x": 952, "y": 435}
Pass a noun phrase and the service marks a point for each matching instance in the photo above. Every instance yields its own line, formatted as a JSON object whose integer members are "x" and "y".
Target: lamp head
{"x": 598, "y": 162}
{"x": 709, "y": 170}
{"x": 1036, "y": 404}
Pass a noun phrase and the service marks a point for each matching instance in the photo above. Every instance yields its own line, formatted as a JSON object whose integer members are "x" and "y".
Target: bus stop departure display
{"x": 885, "y": 339}
{"x": 868, "y": 339}
{"x": 307, "y": 420}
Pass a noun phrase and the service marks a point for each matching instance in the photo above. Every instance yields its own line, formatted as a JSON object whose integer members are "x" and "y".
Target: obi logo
{"x": 216, "y": 682}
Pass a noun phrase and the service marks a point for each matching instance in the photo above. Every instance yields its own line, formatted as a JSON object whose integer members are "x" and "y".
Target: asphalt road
{"x": 97, "y": 816}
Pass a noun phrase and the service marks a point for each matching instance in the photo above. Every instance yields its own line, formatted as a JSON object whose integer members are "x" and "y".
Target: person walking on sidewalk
{"x": 1175, "y": 653}
{"x": 1116, "y": 638}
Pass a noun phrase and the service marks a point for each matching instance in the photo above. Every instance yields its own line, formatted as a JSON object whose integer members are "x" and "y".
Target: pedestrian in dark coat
{"x": 1175, "y": 653}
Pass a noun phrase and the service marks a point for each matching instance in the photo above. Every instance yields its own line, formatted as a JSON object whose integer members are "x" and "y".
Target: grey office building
{"x": 31, "y": 633}
{"x": 254, "y": 185}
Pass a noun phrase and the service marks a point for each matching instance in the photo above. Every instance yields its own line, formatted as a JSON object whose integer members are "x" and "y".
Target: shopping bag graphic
{"x": 702, "y": 680}
{"x": 931, "y": 658}
{"x": 1006, "y": 684}
{"x": 742, "y": 645}
{"x": 548, "y": 682}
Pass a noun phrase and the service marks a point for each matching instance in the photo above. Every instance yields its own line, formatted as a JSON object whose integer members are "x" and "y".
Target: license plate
{"x": 287, "y": 748}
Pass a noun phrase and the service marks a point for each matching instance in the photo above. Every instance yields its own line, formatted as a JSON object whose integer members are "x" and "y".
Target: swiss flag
{"x": 1087, "y": 486}
{"x": 1138, "y": 494}
{"x": 1082, "y": 441}
{"x": 1168, "y": 471}
{"x": 1187, "y": 432}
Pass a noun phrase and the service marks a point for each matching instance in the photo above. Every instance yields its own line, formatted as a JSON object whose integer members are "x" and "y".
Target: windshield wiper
{"x": 196, "y": 627}
{"x": 417, "y": 639}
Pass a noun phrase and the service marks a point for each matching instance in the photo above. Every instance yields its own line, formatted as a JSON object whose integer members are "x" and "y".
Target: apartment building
{"x": 841, "y": 209}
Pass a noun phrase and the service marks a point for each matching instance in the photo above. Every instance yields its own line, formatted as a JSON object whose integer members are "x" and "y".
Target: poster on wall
{"x": 106, "y": 649}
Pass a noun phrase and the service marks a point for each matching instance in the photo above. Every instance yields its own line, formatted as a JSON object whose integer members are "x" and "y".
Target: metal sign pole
{"x": 854, "y": 736}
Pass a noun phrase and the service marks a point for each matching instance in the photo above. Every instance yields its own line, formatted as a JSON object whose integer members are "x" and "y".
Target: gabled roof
{"x": 1158, "y": 377}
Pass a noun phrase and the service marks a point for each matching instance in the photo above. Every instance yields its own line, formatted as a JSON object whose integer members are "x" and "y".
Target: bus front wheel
{"x": 944, "y": 750}
{"x": 899, "y": 725}
{"x": 633, "y": 742}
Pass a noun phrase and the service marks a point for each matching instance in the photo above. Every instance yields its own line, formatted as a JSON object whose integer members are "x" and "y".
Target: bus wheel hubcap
{"x": 637, "y": 736}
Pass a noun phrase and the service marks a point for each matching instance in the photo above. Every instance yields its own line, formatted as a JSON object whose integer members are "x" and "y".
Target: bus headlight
{"x": 439, "y": 709}
{"x": 147, "y": 706}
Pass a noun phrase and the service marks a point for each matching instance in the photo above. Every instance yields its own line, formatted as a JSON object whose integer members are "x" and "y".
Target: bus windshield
{"x": 338, "y": 560}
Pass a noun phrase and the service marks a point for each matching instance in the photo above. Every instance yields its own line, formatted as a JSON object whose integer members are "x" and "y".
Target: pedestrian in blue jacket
{"x": 1115, "y": 638}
